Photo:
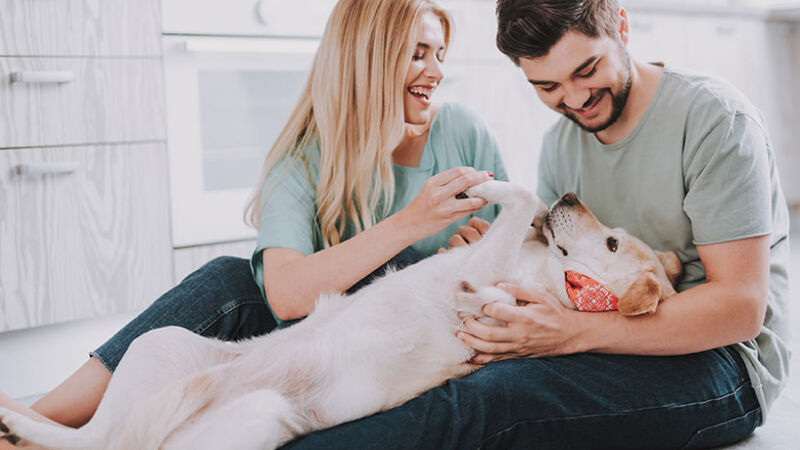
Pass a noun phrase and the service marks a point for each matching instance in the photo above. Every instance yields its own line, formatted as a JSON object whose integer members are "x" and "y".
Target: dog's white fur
{"x": 353, "y": 356}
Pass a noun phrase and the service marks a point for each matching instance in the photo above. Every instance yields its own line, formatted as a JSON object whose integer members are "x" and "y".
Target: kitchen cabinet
{"x": 84, "y": 209}
{"x": 82, "y": 240}
{"x": 105, "y": 100}
{"x": 80, "y": 27}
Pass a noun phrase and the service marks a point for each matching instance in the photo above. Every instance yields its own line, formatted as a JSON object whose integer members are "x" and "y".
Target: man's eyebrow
{"x": 585, "y": 65}
{"x": 578, "y": 70}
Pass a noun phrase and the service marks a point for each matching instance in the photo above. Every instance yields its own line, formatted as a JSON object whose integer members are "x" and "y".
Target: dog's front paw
{"x": 489, "y": 191}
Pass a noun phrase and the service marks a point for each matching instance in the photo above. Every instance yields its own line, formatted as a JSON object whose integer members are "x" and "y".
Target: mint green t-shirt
{"x": 289, "y": 220}
{"x": 698, "y": 169}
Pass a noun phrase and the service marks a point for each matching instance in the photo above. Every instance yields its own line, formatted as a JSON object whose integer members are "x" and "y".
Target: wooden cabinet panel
{"x": 87, "y": 243}
{"x": 189, "y": 259}
{"x": 80, "y": 27}
{"x": 108, "y": 100}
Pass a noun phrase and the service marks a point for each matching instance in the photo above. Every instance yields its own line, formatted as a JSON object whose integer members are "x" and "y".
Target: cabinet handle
{"x": 56, "y": 168}
{"x": 43, "y": 77}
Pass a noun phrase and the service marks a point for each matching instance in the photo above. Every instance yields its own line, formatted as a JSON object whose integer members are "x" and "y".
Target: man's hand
{"x": 540, "y": 326}
{"x": 467, "y": 234}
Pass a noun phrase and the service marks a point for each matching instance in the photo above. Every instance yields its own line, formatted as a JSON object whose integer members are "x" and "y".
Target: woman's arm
{"x": 728, "y": 308}
{"x": 293, "y": 281}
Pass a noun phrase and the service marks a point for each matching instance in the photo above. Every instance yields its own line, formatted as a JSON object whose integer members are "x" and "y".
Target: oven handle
{"x": 250, "y": 45}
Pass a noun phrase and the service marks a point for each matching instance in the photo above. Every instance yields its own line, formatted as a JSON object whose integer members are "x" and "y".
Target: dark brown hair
{"x": 530, "y": 28}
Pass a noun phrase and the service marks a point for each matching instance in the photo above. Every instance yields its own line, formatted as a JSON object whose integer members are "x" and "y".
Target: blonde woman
{"x": 367, "y": 169}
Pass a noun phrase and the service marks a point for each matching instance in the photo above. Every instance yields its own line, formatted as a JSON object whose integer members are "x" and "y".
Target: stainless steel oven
{"x": 233, "y": 70}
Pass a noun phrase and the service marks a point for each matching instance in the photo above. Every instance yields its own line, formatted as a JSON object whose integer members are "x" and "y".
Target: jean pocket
{"x": 725, "y": 433}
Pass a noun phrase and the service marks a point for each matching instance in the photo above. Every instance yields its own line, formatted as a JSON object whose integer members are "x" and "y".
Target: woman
{"x": 366, "y": 167}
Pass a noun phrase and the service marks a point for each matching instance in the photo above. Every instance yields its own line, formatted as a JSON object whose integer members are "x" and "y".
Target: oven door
{"x": 228, "y": 98}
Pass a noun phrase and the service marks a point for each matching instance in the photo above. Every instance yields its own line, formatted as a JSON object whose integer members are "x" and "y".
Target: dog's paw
{"x": 469, "y": 302}
{"x": 6, "y": 426}
{"x": 489, "y": 191}
{"x": 507, "y": 194}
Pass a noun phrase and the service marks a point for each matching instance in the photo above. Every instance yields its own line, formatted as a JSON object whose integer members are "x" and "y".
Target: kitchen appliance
{"x": 234, "y": 70}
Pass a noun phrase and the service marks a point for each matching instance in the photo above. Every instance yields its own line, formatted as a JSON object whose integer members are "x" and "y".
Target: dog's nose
{"x": 570, "y": 199}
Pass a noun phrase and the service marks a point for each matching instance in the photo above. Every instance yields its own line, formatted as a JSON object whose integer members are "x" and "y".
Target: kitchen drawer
{"x": 91, "y": 242}
{"x": 107, "y": 100}
{"x": 188, "y": 259}
{"x": 80, "y": 27}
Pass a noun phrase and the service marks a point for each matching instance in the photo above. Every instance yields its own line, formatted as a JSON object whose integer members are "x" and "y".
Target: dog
{"x": 358, "y": 354}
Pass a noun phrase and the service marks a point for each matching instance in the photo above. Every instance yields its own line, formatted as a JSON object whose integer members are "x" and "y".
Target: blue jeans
{"x": 578, "y": 401}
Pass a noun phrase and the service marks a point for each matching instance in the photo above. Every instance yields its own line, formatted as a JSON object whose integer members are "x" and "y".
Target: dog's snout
{"x": 570, "y": 199}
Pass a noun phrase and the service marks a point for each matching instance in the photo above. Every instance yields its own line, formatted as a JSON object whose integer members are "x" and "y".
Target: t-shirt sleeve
{"x": 727, "y": 182}
{"x": 289, "y": 208}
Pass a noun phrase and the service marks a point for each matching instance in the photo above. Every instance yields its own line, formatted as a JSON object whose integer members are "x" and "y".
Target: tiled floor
{"x": 782, "y": 429}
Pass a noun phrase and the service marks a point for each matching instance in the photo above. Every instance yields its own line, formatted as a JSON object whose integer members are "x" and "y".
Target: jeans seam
{"x": 633, "y": 411}
{"x": 701, "y": 430}
{"x": 235, "y": 304}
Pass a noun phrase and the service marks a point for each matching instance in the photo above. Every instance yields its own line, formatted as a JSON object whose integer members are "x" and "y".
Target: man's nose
{"x": 575, "y": 98}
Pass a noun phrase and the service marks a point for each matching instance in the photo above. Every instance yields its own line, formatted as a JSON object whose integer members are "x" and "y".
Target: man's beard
{"x": 618, "y": 102}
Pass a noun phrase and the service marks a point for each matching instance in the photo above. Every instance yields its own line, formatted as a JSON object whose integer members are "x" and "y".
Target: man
{"x": 681, "y": 161}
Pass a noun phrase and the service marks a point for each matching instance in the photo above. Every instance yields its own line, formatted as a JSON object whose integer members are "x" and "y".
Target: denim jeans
{"x": 580, "y": 401}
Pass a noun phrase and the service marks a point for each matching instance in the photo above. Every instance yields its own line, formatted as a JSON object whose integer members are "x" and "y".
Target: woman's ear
{"x": 642, "y": 296}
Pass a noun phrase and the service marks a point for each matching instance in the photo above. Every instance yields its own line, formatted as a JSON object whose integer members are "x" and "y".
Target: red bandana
{"x": 587, "y": 294}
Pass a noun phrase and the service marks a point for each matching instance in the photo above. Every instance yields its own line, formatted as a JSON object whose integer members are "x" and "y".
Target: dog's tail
{"x": 152, "y": 424}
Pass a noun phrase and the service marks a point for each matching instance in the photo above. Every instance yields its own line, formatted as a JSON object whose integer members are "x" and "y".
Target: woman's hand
{"x": 539, "y": 326}
{"x": 436, "y": 205}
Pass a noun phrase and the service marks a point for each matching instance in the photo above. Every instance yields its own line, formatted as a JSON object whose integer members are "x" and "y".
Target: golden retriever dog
{"x": 357, "y": 354}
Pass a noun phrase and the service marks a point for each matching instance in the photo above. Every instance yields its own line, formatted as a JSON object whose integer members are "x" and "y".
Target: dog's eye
{"x": 611, "y": 243}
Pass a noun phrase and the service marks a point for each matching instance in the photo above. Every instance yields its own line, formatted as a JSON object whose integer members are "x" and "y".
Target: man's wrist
{"x": 585, "y": 338}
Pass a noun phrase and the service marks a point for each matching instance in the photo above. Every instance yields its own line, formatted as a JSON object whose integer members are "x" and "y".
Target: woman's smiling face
{"x": 424, "y": 72}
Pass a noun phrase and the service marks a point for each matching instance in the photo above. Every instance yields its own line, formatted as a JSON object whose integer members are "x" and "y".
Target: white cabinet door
{"x": 68, "y": 101}
{"x": 80, "y": 27}
{"x": 84, "y": 231}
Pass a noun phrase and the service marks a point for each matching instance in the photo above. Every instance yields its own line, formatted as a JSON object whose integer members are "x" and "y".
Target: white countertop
{"x": 779, "y": 11}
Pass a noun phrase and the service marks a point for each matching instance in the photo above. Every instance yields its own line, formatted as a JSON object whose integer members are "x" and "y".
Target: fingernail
{"x": 503, "y": 286}
{"x": 491, "y": 175}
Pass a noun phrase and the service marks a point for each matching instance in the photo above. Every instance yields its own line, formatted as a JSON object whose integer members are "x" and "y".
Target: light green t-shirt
{"x": 289, "y": 220}
{"x": 698, "y": 169}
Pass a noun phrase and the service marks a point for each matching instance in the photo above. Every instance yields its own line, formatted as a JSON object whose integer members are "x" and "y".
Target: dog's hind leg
{"x": 262, "y": 419}
{"x": 24, "y": 432}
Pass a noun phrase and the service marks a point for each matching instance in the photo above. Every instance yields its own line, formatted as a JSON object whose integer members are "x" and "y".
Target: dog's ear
{"x": 642, "y": 296}
{"x": 672, "y": 266}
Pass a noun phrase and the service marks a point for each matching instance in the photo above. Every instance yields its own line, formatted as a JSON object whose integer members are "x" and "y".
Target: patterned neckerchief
{"x": 587, "y": 294}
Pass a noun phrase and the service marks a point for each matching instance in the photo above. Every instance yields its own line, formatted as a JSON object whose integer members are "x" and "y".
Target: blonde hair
{"x": 352, "y": 106}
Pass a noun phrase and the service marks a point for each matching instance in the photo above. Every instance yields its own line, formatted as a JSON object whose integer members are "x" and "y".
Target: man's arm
{"x": 728, "y": 308}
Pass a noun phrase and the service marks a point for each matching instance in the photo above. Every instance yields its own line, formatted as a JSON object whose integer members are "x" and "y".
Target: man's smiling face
{"x": 586, "y": 79}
